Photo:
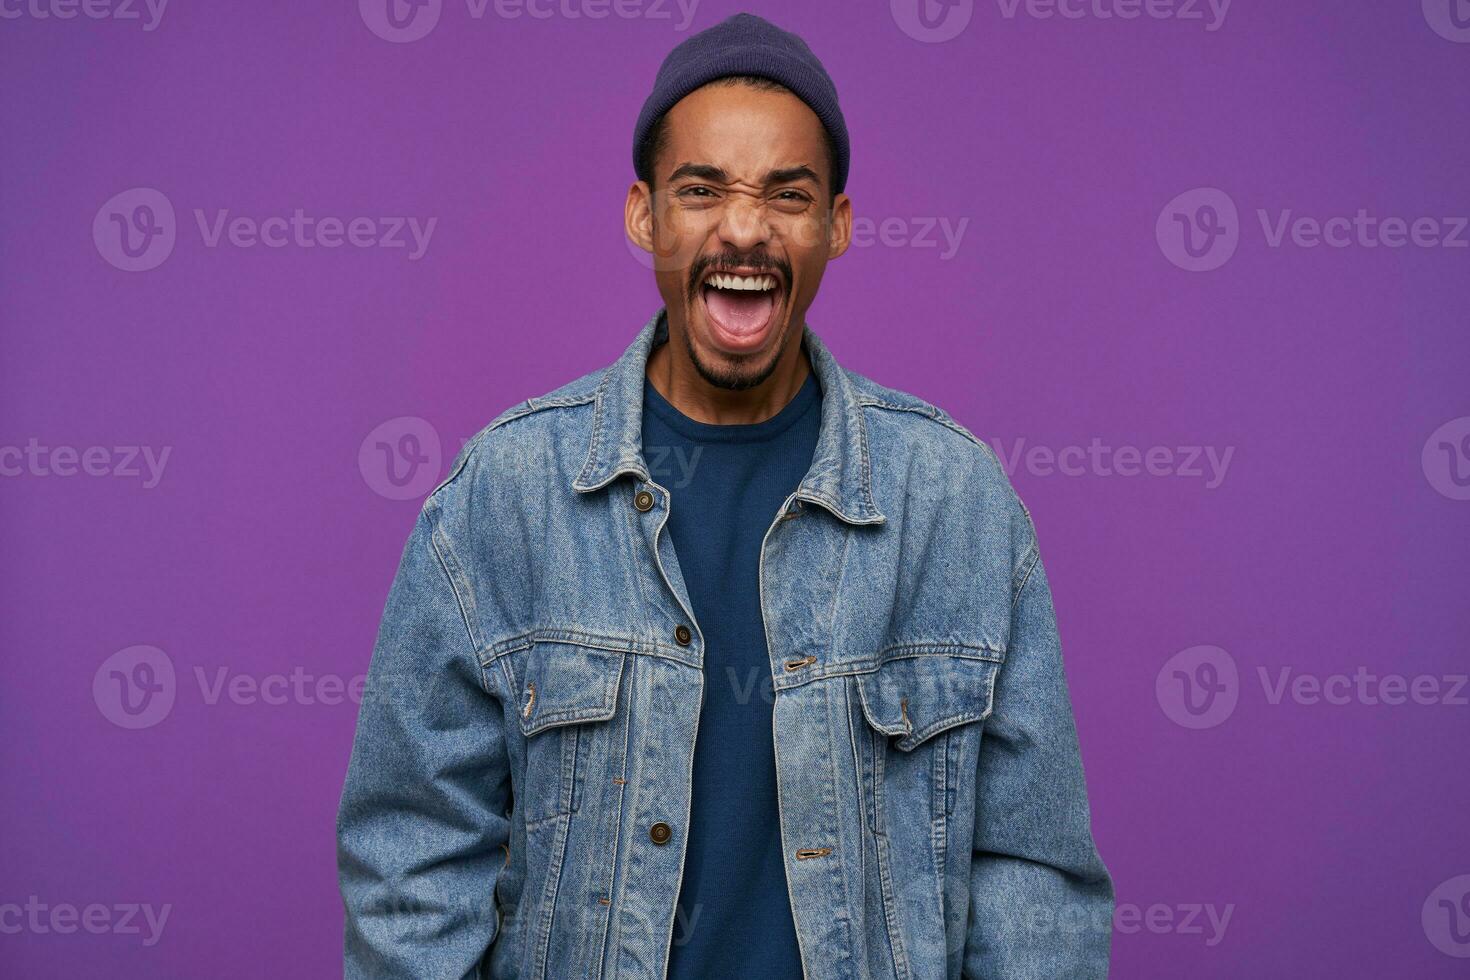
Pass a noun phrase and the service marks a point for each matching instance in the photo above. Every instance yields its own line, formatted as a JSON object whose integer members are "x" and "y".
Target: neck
{"x": 673, "y": 375}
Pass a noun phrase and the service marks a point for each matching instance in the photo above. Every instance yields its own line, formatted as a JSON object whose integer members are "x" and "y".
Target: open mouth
{"x": 740, "y": 308}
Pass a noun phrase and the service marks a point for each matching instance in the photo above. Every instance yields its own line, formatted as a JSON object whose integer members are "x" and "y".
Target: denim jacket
{"x": 519, "y": 787}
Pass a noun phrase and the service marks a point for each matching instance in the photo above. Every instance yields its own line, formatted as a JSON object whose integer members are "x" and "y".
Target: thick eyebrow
{"x": 705, "y": 171}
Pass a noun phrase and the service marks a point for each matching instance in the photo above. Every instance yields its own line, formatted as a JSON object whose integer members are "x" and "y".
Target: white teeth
{"x": 722, "y": 281}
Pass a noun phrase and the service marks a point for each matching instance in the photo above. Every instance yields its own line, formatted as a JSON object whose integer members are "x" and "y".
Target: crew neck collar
{"x": 801, "y": 403}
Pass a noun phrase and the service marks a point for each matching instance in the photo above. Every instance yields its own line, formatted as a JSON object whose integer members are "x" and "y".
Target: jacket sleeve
{"x": 424, "y": 811}
{"x": 1041, "y": 900}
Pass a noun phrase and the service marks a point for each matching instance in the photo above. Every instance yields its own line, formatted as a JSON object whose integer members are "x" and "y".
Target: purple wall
{"x": 1248, "y": 455}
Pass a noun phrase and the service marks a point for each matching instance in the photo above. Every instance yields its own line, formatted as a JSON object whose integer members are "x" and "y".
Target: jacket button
{"x": 682, "y": 635}
{"x": 660, "y": 833}
{"x": 643, "y": 500}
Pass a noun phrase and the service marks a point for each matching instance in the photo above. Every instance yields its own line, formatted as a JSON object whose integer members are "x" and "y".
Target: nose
{"x": 743, "y": 224}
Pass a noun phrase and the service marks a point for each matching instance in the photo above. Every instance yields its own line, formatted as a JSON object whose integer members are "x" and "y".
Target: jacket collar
{"x": 839, "y": 479}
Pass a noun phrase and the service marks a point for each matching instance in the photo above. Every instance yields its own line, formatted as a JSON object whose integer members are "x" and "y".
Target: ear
{"x": 839, "y": 228}
{"x": 638, "y": 216}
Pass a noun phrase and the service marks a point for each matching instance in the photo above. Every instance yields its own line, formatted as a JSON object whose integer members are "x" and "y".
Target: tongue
{"x": 742, "y": 312}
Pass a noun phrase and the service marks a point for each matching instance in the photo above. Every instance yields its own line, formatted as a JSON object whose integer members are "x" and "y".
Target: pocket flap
{"x": 919, "y": 696}
{"x": 565, "y": 684}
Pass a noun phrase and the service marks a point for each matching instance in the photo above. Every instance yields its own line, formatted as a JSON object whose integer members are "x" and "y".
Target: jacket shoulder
{"x": 523, "y": 432}
{"x": 921, "y": 422}
{"x": 903, "y": 425}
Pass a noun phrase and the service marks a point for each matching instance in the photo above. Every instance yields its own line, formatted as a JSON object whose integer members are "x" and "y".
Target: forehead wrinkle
{"x": 776, "y": 175}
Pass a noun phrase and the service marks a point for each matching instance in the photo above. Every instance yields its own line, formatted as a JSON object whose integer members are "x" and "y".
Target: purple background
{"x": 266, "y": 548}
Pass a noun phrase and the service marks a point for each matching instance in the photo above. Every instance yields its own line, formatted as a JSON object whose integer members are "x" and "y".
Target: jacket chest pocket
{"x": 921, "y": 713}
{"x": 567, "y": 695}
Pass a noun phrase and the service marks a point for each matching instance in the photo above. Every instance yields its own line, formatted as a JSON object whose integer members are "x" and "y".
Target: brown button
{"x": 643, "y": 500}
{"x": 660, "y": 833}
{"x": 682, "y": 635}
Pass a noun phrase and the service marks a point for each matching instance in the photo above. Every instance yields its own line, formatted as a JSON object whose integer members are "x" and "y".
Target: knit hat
{"x": 747, "y": 45}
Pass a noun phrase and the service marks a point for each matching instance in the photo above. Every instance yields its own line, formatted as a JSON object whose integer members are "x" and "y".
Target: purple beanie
{"x": 747, "y": 45}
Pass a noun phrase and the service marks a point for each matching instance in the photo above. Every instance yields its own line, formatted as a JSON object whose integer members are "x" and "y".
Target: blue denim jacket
{"x": 518, "y": 794}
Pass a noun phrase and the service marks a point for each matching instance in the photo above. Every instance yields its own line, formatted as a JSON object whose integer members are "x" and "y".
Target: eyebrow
{"x": 784, "y": 175}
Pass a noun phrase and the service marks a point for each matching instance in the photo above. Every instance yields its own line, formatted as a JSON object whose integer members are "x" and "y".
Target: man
{"x": 723, "y": 661}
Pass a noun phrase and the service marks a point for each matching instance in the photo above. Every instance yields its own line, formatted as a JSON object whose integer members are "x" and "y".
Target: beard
{"x": 738, "y": 373}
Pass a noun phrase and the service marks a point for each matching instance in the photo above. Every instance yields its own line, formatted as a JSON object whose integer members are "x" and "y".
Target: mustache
{"x": 759, "y": 261}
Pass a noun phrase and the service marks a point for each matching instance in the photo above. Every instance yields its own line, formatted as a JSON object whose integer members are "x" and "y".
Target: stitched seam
{"x": 454, "y": 575}
{"x": 597, "y": 419}
{"x": 787, "y": 682}
{"x": 931, "y": 412}
{"x": 837, "y": 593}
{"x": 1028, "y": 565}
{"x": 615, "y": 644}
{"x": 862, "y": 424}
{"x": 902, "y": 651}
